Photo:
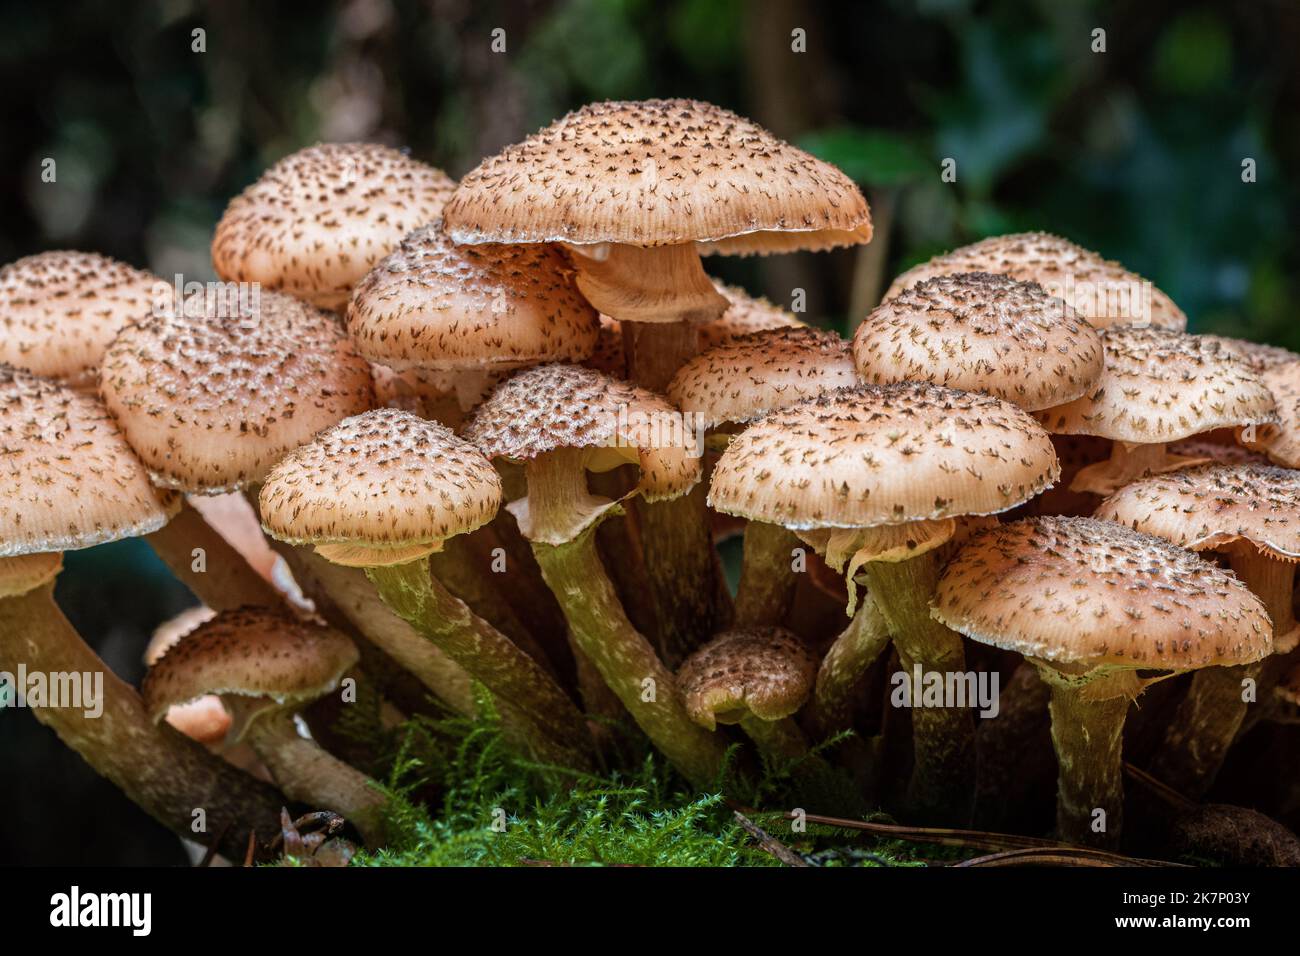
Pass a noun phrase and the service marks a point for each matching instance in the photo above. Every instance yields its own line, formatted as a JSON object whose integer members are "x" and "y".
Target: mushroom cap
{"x": 745, "y": 314}
{"x": 432, "y": 304}
{"x": 249, "y": 652}
{"x": 1261, "y": 357}
{"x": 761, "y": 371}
{"x": 883, "y": 455}
{"x": 26, "y": 572}
{"x": 385, "y": 481}
{"x": 981, "y": 332}
{"x": 59, "y": 310}
{"x": 1281, "y": 440}
{"x": 1103, "y": 292}
{"x": 1217, "y": 452}
{"x": 1210, "y": 506}
{"x": 763, "y": 671}
{"x": 658, "y": 172}
{"x": 608, "y": 356}
{"x": 320, "y": 218}
{"x": 68, "y": 479}
{"x": 1160, "y": 386}
{"x": 549, "y": 407}
{"x": 1089, "y": 593}
{"x": 210, "y": 402}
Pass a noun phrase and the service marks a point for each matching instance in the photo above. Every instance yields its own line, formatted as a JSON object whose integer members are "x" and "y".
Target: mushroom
{"x": 562, "y": 421}
{"x": 1250, "y": 514}
{"x": 876, "y": 477}
{"x": 981, "y": 332}
{"x": 266, "y": 666}
{"x": 60, "y": 310}
{"x": 320, "y": 218}
{"x": 203, "y": 719}
{"x": 1280, "y": 440}
{"x": 741, "y": 381}
{"x": 1158, "y": 387}
{"x": 472, "y": 312}
{"x": 1093, "y": 605}
{"x": 1262, "y": 357}
{"x": 70, "y": 481}
{"x": 384, "y": 490}
{"x": 757, "y": 677}
{"x": 1103, "y": 292}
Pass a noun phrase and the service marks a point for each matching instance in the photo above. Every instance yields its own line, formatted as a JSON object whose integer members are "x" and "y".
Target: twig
{"x": 1159, "y": 788}
{"x": 211, "y": 852}
{"x": 1062, "y": 856}
{"x": 252, "y": 847}
{"x": 770, "y": 843}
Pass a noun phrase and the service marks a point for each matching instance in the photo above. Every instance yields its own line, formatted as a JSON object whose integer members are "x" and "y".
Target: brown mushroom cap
{"x": 59, "y": 311}
{"x": 432, "y": 304}
{"x": 384, "y": 487}
{"x": 883, "y": 455}
{"x": 26, "y": 572}
{"x": 550, "y": 407}
{"x": 250, "y": 652}
{"x": 1281, "y": 440}
{"x": 759, "y": 372}
{"x": 1089, "y": 593}
{"x": 763, "y": 671}
{"x": 608, "y": 356}
{"x": 981, "y": 332}
{"x": 1210, "y": 506}
{"x": 1161, "y": 386}
{"x": 745, "y": 314}
{"x": 654, "y": 173}
{"x": 320, "y": 218}
{"x": 210, "y": 402}
{"x": 1103, "y": 292}
{"x": 1260, "y": 356}
{"x": 68, "y": 480}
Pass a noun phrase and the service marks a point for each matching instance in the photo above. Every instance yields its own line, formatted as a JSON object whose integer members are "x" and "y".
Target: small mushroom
{"x": 1280, "y": 440}
{"x": 757, "y": 677}
{"x": 1251, "y": 515}
{"x": 266, "y": 666}
{"x": 1103, "y": 292}
{"x": 320, "y": 218}
{"x": 1158, "y": 387}
{"x": 384, "y": 490}
{"x": 1094, "y": 605}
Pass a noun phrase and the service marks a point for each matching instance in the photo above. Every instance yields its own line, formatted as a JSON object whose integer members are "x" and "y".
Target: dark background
{"x": 1136, "y": 152}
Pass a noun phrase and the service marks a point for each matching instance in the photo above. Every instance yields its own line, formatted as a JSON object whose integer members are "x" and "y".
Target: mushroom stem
{"x": 1211, "y": 716}
{"x": 556, "y": 729}
{"x": 308, "y": 773}
{"x": 625, "y": 658}
{"x": 1087, "y": 734}
{"x": 767, "y": 582}
{"x": 858, "y": 647}
{"x": 942, "y": 786}
{"x": 165, "y": 773}
{"x": 223, "y": 580}
{"x": 779, "y": 741}
{"x": 655, "y": 351}
{"x": 1127, "y": 463}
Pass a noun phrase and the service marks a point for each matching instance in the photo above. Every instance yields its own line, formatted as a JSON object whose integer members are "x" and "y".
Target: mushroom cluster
{"x": 471, "y": 447}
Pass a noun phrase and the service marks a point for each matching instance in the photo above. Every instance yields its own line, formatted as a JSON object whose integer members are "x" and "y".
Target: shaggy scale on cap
{"x": 210, "y": 402}
{"x": 659, "y": 172}
{"x": 1103, "y": 292}
{"x": 1161, "y": 386}
{"x": 59, "y": 311}
{"x": 26, "y": 572}
{"x": 1281, "y": 441}
{"x": 1260, "y": 356}
{"x": 320, "y": 218}
{"x": 1214, "y": 505}
{"x": 982, "y": 332}
{"x": 249, "y": 652}
{"x": 1093, "y": 593}
{"x": 762, "y": 371}
{"x": 68, "y": 479}
{"x": 384, "y": 487}
{"x": 432, "y": 304}
{"x": 745, "y": 314}
{"x": 763, "y": 671}
{"x": 876, "y": 455}
{"x": 551, "y": 407}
